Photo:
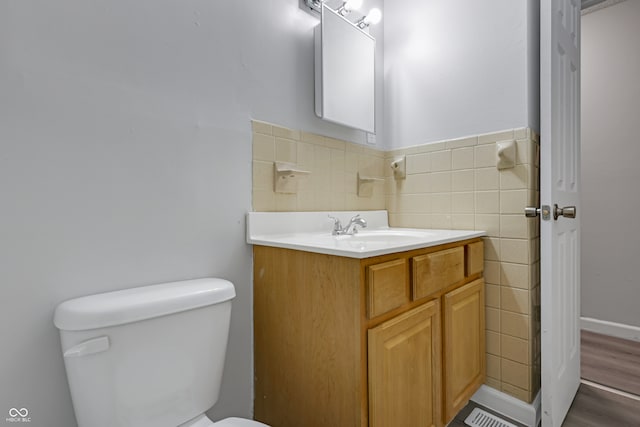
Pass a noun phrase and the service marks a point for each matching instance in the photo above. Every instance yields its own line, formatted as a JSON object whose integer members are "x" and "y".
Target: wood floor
{"x": 611, "y": 361}
{"x": 593, "y": 407}
{"x": 608, "y": 361}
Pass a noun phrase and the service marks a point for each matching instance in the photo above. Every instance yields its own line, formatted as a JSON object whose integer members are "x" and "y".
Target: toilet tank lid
{"x": 135, "y": 304}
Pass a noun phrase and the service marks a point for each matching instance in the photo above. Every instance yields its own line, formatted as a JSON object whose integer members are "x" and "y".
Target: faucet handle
{"x": 337, "y": 225}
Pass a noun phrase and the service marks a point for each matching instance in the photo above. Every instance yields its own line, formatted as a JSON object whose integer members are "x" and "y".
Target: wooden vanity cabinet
{"x": 390, "y": 341}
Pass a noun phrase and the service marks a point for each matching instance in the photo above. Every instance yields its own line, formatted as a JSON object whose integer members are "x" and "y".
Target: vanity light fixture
{"x": 372, "y": 18}
{"x": 348, "y": 6}
{"x": 314, "y": 5}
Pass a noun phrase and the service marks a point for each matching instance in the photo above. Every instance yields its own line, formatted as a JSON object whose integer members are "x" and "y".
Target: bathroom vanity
{"x": 348, "y": 339}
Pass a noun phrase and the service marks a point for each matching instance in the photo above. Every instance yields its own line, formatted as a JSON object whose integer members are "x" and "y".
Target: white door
{"x": 560, "y": 184}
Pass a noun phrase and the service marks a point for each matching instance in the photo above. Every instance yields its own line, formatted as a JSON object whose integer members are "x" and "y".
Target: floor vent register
{"x": 480, "y": 418}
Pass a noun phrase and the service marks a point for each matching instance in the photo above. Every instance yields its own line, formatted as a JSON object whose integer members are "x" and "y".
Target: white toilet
{"x": 148, "y": 357}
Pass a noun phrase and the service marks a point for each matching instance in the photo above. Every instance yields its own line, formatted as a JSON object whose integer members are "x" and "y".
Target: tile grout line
{"x": 610, "y": 390}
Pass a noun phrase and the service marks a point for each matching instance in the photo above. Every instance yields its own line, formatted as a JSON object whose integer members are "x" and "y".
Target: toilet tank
{"x": 151, "y": 356}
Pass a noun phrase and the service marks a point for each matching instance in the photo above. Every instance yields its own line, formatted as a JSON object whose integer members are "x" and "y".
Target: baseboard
{"x": 618, "y": 330}
{"x": 522, "y": 412}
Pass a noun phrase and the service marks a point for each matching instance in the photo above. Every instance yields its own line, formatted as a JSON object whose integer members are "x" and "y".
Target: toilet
{"x": 151, "y": 356}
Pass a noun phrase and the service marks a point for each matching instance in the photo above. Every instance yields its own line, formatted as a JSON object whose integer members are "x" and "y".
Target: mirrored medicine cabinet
{"x": 344, "y": 72}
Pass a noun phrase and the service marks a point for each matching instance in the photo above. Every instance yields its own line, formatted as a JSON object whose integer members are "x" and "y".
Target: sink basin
{"x": 387, "y": 236}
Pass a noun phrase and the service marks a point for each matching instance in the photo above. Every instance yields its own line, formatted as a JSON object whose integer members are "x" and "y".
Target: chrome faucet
{"x": 350, "y": 229}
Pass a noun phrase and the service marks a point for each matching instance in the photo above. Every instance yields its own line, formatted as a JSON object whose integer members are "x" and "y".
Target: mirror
{"x": 344, "y": 72}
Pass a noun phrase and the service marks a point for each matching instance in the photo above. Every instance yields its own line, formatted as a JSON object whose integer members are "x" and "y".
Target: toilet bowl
{"x": 148, "y": 357}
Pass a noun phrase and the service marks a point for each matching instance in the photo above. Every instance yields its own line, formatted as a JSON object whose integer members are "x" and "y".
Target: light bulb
{"x": 373, "y": 17}
{"x": 352, "y": 4}
{"x": 348, "y": 6}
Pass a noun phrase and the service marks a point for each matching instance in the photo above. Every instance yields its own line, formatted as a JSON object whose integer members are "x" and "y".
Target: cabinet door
{"x": 464, "y": 346}
{"x": 404, "y": 369}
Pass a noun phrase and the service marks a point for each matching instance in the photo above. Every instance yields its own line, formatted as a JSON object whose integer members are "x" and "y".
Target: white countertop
{"x": 311, "y": 232}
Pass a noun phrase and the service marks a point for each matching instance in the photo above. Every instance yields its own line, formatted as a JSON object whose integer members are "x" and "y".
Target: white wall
{"x": 455, "y": 68}
{"x": 611, "y": 163}
{"x": 125, "y": 160}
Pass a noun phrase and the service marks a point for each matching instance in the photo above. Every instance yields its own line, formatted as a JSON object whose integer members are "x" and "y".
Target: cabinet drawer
{"x": 475, "y": 258}
{"x": 437, "y": 270}
{"x": 387, "y": 286}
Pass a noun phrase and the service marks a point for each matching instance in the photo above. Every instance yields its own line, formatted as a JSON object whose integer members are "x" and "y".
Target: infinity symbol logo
{"x": 22, "y": 412}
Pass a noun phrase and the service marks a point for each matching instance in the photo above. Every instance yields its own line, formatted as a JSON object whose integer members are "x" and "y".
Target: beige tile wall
{"x": 449, "y": 184}
{"x": 334, "y": 165}
{"x": 455, "y": 184}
